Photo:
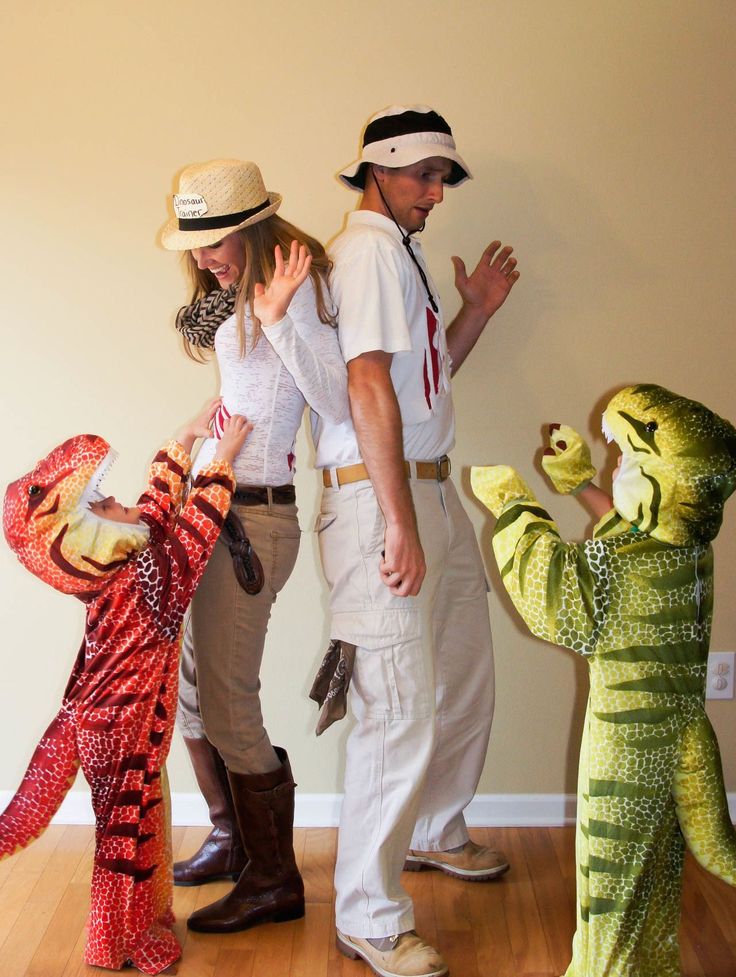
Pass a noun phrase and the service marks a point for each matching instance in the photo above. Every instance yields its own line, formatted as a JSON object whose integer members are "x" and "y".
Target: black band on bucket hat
{"x": 388, "y": 126}
{"x": 402, "y": 135}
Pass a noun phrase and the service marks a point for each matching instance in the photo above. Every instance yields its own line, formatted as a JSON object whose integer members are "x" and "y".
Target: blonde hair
{"x": 259, "y": 241}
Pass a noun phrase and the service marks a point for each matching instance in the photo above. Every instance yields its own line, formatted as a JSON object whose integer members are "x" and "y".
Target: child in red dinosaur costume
{"x": 136, "y": 569}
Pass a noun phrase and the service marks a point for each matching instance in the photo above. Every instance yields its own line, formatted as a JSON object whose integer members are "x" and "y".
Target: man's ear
{"x": 379, "y": 172}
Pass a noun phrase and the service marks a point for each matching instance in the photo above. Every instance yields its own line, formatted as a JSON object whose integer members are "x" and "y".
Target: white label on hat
{"x": 189, "y": 205}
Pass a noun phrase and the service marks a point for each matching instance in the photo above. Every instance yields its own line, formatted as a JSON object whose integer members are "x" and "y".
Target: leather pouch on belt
{"x": 247, "y": 566}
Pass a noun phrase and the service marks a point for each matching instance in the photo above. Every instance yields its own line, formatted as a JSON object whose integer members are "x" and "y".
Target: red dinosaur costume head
{"x": 50, "y": 528}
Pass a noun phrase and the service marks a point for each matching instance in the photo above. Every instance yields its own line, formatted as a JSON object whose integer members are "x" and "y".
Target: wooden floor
{"x": 521, "y": 925}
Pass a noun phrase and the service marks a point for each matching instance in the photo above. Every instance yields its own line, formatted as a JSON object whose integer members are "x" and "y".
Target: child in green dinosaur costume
{"x": 636, "y": 600}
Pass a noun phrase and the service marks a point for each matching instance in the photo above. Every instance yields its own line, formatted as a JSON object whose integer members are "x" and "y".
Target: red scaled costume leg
{"x": 131, "y": 913}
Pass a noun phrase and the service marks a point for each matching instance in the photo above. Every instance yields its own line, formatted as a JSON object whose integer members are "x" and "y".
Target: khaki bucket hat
{"x": 213, "y": 200}
{"x": 401, "y": 135}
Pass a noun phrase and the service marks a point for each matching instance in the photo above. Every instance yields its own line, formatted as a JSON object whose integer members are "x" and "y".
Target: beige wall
{"x": 602, "y": 141}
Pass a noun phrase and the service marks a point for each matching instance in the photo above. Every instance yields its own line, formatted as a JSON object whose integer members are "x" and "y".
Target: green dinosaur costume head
{"x": 678, "y": 463}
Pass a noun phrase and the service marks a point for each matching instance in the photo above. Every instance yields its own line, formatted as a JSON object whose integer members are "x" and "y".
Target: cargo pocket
{"x": 392, "y": 681}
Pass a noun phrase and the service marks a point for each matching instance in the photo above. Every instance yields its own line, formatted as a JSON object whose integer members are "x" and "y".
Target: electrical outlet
{"x": 720, "y": 675}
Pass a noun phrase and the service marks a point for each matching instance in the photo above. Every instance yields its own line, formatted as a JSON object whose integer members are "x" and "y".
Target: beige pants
{"x": 224, "y": 639}
{"x": 422, "y": 696}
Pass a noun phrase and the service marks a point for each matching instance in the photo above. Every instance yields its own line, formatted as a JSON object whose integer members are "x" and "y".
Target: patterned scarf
{"x": 199, "y": 321}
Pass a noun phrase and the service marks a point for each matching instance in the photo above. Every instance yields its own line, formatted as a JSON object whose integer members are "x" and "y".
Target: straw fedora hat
{"x": 405, "y": 134}
{"x": 213, "y": 200}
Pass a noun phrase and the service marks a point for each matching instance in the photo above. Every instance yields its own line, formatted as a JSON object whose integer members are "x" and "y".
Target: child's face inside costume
{"x": 224, "y": 259}
{"x": 110, "y": 508}
{"x": 52, "y": 523}
{"x": 677, "y": 466}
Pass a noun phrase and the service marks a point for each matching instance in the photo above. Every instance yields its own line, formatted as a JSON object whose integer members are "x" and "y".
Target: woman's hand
{"x": 271, "y": 302}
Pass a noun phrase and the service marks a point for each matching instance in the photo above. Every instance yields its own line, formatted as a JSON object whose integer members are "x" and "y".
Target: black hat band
{"x": 403, "y": 124}
{"x": 223, "y": 220}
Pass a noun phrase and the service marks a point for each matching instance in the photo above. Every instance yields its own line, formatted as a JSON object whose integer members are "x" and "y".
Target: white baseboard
{"x": 323, "y": 810}
{"x": 485, "y": 810}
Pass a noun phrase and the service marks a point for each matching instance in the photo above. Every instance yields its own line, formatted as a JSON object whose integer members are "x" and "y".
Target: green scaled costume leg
{"x": 702, "y": 807}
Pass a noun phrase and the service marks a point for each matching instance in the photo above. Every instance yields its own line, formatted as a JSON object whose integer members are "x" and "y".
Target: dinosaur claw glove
{"x": 497, "y": 485}
{"x": 567, "y": 460}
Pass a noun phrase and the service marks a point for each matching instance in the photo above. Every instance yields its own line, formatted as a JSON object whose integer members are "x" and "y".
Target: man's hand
{"x": 483, "y": 293}
{"x": 198, "y": 427}
{"x": 271, "y": 302}
{"x": 402, "y": 567}
{"x": 487, "y": 288}
{"x": 234, "y": 432}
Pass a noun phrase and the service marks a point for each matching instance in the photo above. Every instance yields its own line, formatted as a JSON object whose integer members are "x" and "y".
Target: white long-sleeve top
{"x": 296, "y": 361}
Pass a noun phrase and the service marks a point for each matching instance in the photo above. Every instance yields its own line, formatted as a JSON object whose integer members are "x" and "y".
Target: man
{"x": 407, "y": 581}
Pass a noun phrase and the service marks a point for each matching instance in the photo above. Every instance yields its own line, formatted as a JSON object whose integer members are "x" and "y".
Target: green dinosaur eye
{"x": 652, "y": 426}
{"x": 34, "y": 489}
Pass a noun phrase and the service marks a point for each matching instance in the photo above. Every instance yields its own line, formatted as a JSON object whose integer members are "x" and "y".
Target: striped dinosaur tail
{"x": 49, "y": 776}
{"x": 702, "y": 806}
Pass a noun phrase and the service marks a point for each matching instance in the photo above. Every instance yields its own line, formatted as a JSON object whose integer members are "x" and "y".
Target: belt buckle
{"x": 443, "y": 468}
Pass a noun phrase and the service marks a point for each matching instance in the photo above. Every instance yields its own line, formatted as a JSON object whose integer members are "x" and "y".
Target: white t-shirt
{"x": 382, "y": 305}
{"x": 295, "y": 361}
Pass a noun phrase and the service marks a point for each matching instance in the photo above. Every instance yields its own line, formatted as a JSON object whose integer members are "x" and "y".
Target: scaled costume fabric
{"x": 117, "y": 714}
{"x": 636, "y": 600}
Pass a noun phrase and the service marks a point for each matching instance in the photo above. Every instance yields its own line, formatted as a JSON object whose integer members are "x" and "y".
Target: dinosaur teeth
{"x": 92, "y": 492}
{"x": 608, "y": 433}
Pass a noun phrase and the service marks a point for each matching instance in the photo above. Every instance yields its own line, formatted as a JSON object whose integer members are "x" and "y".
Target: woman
{"x": 272, "y": 361}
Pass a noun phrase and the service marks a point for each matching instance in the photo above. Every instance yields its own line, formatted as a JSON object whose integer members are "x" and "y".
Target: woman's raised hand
{"x": 271, "y": 302}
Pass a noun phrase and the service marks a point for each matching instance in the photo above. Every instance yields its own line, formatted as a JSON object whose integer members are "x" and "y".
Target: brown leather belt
{"x": 437, "y": 470}
{"x": 258, "y": 494}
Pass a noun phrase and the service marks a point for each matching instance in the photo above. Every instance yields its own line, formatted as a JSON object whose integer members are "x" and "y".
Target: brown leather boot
{"x": 270, "y": 888}
{"x": 221, "y": 855}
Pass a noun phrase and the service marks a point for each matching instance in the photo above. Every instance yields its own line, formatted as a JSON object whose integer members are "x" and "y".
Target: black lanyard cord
{"x": 406, "y": 241}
